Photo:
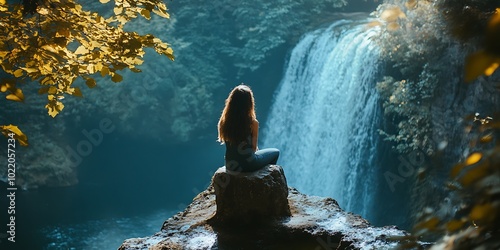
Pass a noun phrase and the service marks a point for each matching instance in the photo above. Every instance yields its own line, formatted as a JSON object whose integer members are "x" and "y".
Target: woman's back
{"x": 239, "y": 129}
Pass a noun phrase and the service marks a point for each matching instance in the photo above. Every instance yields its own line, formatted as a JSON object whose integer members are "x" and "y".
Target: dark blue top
{"x": 239, "y": 156}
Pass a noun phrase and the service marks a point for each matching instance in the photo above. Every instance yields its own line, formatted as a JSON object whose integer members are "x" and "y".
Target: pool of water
{"x": 127, "y": 189}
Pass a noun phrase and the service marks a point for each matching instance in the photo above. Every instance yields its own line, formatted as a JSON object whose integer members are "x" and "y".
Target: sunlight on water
{"x": 325, "y": 115}
{"x": 104, "y": 234}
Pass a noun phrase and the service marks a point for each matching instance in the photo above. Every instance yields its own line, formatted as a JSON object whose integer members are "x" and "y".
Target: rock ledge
{"x": 315, "y": 223}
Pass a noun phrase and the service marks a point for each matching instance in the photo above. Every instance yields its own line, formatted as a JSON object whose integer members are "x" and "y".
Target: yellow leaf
{"x": 410, "y": 4}
{"x": 137, "y": 61}
{"x": 119, "y": 65}
{"x": 146, "y": 14}
{"x": 81, "y": 50}
{"x": 491, "y": 69}
{"x": 392, "y": 14}
{"x": 429, "y": 224}
{"x": 54, "y": 107}
{"x": 495, "y": 20}
{"x": 393, "y": 26}
{"x": 3, "y": 88}
{"x": 77, "y": 92}
{"x": 90, "y": 68}
{"x": 135, "y": 70}
{"x": 454, "y": 225}
{"x": 104, "y": 1}
{"x": 47, "y": 81}
{"x": 42, "y": 11}
{"x": 487, "y": 138}
{"x": 3, "y": 3}
{"x": 374, "y": 24}
{"x": 116, "y": 78}
{"x": 18, "y": 134}
{"x": 19, "y": 94}
{"x": 98, "y": 66}
{"x": 118, "y": 10}
{"x": 52, "y": 111}
{"x": 90, "y": 82}
{"x": 121, "y": 19}
{"x": 63, "y": 32}
{"x": 52, "y": 90}
{"x": 60, "y": 106}
{"x": 170, "y": 50}
{"x": 474, "y": 174}
{"x": 43, "y": 90}
{"x": 478, "y": 64}
{"x": 161, "y": 13}
{"x": 13, "y": 97}
{"x": 30, "y": 70}
{"x": 3, "y": 53}
{"x": 104, "y": 71}
{"x": 473, "y": 158}
{"x": 481, "y": 211}
{"x": 18, "y": 73}
{"x": 31, "y": 64}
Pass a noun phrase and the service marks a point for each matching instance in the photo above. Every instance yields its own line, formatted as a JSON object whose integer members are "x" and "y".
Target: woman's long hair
{"x": 237, "y": 117}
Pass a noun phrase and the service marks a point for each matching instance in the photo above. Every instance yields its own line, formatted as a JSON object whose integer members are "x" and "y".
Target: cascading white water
{"x": 324, "y": 118}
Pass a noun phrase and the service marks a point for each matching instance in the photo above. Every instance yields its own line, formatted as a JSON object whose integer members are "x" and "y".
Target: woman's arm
{"x": 255, "y": 135}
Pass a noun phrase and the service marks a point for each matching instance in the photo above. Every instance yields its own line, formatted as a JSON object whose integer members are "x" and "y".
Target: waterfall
{"x": 325, "y": 115}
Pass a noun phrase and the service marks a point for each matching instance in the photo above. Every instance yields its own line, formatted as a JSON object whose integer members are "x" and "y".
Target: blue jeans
{"x": 258, "y": 160}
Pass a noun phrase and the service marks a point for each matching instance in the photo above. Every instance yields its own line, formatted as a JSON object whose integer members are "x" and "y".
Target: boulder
{"x": 250, "y": 197}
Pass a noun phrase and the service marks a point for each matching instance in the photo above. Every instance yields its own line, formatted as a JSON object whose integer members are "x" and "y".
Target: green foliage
{"x": 410, "y": 99}
{"x": 418, "y": 37}
{"x": 264, "y": 25}
{"x": 409, "y": 31}
{"x": 247, "y": 31}
{"x": 413, "y": 39}
{"x": 476, "y": 180}
{"x": 54, "y": 42}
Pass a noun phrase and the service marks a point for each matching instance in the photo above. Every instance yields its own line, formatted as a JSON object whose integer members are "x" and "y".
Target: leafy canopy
{"x": 54, "y": 42}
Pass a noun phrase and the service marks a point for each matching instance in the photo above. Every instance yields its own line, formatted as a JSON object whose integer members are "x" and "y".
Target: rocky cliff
{"x": 296, "y": 222}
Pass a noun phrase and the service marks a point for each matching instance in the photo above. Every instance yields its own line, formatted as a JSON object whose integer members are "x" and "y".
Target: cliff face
{"x": 315, "y": 222}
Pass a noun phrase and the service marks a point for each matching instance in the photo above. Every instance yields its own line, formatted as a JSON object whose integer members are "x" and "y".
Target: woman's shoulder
{"x": 255, "y": 122}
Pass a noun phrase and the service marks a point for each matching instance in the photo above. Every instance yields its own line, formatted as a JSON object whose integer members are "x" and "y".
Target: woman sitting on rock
{"x": 239, "y": 130}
